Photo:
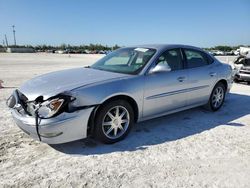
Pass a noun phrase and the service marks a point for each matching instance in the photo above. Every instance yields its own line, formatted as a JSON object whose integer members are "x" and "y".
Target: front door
{"x": 166, "y": 91}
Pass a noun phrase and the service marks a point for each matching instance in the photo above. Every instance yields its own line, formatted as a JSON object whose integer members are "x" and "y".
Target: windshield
{"x": 125, "y": 60}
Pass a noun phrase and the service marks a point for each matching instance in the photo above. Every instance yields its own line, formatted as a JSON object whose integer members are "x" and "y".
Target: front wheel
{"x": 114, "y": 121}
{"x": 217, "y": 97}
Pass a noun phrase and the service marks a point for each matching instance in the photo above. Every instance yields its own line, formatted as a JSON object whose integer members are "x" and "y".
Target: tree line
{"x": 99, "y": 47}
{"x": 90, "y": 47}
{"x": 225, "y": 48}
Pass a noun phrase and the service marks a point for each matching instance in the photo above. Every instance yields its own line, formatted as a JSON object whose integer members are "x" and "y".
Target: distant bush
{"x": 225, "y": 48}
{"x": 91, "y": 47}
{"x": 99, "y": 47}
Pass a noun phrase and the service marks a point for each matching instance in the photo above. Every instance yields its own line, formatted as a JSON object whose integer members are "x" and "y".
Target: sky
{"x": 203, "y": 23}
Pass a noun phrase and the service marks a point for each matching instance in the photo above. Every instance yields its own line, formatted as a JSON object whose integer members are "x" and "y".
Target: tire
{"x": 248, "y": 82}
{"x": 112, "y": 125}
{"x": 236, "y": 80}
{"x": 212, "y": 105}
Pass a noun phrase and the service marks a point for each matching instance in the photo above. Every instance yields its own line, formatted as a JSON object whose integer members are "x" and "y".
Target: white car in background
{"x": 218, "y": 52}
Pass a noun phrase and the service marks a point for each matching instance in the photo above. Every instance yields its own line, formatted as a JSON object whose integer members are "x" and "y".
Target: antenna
{"x": 14, "y": 34}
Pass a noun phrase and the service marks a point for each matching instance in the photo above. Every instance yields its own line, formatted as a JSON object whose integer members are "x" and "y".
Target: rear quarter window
{"x": 197, "y": 58}
{"x": 210, "y": 60}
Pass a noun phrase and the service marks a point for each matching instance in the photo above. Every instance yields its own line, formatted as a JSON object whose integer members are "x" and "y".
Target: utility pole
{"x": 6, "y": 41}
{"x": 14, "y": 34}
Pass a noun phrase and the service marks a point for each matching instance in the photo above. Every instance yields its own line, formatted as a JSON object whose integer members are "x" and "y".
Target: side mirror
{"x": 160, "y": 68}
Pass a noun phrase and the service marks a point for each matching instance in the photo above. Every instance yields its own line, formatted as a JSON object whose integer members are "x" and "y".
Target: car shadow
{"x": 243, "y": 83}
{"x": 166, "y": 129}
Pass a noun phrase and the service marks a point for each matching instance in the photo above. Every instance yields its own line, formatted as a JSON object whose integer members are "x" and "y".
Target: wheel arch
{"x": 224, "y": 82}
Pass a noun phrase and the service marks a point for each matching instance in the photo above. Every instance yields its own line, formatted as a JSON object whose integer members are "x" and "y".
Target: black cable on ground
{"x": 37, "y": 125}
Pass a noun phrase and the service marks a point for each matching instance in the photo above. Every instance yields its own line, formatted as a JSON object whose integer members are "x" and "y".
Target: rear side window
{"x": 195, "y": 58}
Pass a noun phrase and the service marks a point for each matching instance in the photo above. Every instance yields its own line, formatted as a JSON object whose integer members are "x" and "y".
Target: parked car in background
{"x": 242, "y": 67}
{"x": 211, "y": 53}
{"x": 60, "y": 51}
{"x": 232, "y": 52}
{"x": 101, "y": 52}
{"x": 244, "y": 51}
{"x": 129, "y": 85}
{"x": 217, "y": 52}
{"x": 237, "y": 52}
{"x": 51, "y": 51}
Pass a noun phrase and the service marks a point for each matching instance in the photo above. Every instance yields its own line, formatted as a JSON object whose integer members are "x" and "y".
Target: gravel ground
{"x": 194, "y": 148}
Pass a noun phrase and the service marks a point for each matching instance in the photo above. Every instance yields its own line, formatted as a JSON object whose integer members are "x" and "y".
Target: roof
{"x": 165, "y": 46}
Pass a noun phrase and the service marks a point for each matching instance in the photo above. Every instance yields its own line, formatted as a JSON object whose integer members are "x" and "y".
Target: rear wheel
{"x": 217, "y": 97}
{"x": 114, "y": 121}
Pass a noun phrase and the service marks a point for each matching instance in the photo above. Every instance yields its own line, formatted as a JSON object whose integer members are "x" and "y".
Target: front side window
{"x": 172, "y": 58}
{"x": 125, "y": 60}
{"x": 195, "y": 58}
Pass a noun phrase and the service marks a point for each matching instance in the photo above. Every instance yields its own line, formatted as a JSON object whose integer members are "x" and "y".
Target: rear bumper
{"x": 229, "y": 85}
{"x": 63, "y": 128}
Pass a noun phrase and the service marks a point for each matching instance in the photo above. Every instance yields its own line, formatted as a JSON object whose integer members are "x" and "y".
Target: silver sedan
{"x": 129, "y": 85}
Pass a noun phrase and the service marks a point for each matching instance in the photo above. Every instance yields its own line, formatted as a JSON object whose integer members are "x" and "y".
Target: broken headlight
{"x": 49, "y": 108}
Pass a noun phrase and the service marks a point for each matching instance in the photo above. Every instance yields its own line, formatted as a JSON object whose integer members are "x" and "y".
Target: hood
{"x": 53, "y": 83}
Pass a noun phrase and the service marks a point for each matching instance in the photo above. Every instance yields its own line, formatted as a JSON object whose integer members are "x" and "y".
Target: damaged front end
{"x": 43, "y": 108}
{"x": 242, "y": 68}
{"x": 50, "y": 118}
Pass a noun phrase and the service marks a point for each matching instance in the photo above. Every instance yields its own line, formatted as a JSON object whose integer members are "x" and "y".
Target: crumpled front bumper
{"x": 63, "y": 128}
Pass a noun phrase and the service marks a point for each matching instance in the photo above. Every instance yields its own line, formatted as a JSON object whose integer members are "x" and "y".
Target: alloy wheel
{"x": 115, "y": 122}
{"x": 218, "y": 96}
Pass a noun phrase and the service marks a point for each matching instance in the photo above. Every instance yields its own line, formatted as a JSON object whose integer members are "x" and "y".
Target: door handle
{"x": 181, "y": 79}
{"x": 212, "y": 74}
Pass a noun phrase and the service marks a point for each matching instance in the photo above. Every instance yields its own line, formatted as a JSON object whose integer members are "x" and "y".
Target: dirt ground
{"x": 194, "y": 148}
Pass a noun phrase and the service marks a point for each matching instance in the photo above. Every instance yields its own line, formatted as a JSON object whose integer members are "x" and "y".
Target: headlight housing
{"x": 49, "y": 108}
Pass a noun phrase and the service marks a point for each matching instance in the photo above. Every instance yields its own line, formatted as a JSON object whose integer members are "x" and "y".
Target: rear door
{"x": 202, "y": 75}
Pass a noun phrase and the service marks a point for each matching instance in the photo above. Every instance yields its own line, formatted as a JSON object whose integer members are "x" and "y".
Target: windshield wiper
{"x": 98, "y": 68}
